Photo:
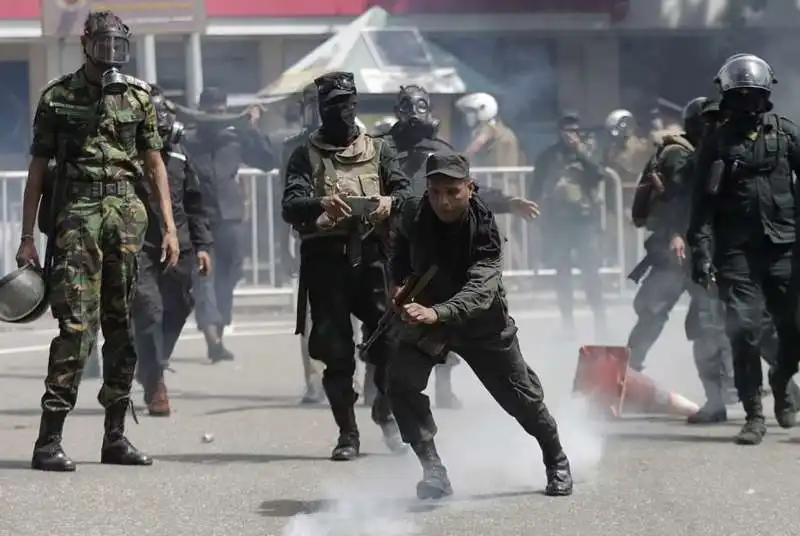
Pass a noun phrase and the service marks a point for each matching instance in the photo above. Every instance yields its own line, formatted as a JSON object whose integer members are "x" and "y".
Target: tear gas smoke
{"x": 485, "y": 450}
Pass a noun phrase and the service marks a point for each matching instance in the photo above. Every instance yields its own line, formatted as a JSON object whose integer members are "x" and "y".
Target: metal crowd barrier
{"x": 269, "y": 238}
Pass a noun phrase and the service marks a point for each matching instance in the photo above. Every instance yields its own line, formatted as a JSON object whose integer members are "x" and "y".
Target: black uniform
{"x": 217, "y": 153}
{"x": 342, "y": 272}
{"x": 566, "y": 183}
{"x": 467, "y": 294}
{"x": 745, "y": 209}
{"x": 414, "y": 139}
{"x": 164, "y": 297}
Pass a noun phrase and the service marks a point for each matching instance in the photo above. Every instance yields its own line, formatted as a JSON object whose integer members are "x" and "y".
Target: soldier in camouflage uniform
{"x": 100, "y": 126}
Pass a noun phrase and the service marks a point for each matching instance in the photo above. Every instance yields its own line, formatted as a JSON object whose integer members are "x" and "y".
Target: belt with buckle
{"x": 101, "y": 189}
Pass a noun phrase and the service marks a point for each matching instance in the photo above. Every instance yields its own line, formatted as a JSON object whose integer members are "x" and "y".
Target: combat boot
{"x": 117, "y": 449}
{"x": 785, "y": 412}
{"x": 48, "y": 454}
{"x": 714, "y": 410}
{"x": 435, "y": 483}
{"x": 754, "y": 429}
{"x": 559, "y": 476}
{"x": 348, "y": 446}
{"x": 445, "y": 397}
{"x": 216, "y": 350}
{"x": 158, "y": 400}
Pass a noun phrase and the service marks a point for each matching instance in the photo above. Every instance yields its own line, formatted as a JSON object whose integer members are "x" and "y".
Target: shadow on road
{"x": 22, "y": 376}
{"x": 292, "y": 507}
{"x": 195, "y": 395}
{"x": 667, "y": 437}
{"x": 15, "y": 465}
{"x": 224, "y": 458}
{"x": 292, "y": 405}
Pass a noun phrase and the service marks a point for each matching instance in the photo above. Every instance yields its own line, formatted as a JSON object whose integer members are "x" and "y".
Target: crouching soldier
{"x": 462, "y": 309}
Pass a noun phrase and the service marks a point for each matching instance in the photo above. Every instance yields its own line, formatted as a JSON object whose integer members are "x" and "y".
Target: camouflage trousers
{"x": 92, "y": 284}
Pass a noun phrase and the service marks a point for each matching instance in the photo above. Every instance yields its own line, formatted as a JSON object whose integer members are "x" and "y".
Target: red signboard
{"x": 20, "y": 9}
{"x": 327, "y": 8}
{"x": 31, "y": 9}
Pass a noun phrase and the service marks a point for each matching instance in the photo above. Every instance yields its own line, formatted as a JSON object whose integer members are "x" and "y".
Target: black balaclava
{"x": 745, "y": 106}
{"x": 106, "y": 46}
{"x": 414, "y": 119}
{"x": 212, "y": 101}
{"x": 337, "y": 108}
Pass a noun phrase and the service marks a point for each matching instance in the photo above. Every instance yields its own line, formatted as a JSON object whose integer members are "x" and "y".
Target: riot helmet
{"x": 620, "y": 124}
{"x": 692, "y": 117}
{"x": 745, "y": 71}
{"x": 170, "y": 129}
{"x": 107, "y": 46}
{"x": 23, "y": 295}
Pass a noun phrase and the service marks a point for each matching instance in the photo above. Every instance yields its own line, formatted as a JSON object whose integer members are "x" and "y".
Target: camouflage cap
{"x": 452, "y": 164}
{"x": 335, "y": 84}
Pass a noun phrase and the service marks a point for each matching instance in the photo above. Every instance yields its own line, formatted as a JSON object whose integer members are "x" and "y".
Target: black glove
{"x": 702, "y": 271}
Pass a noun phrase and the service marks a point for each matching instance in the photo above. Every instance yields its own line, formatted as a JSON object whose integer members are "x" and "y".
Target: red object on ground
{"x": 603, "y": 375}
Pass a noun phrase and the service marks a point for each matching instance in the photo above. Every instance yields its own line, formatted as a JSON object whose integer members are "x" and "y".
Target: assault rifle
{"x": 411, "y": 288}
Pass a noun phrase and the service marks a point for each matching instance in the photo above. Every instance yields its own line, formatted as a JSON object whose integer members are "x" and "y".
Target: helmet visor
{"x": 110, "y": 49}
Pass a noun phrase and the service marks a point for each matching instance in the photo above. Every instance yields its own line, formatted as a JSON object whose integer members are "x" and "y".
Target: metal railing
{"x": 270, "y": 238}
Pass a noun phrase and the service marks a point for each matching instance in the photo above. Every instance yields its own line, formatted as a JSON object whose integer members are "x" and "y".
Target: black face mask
{"x": 339, "y": 121}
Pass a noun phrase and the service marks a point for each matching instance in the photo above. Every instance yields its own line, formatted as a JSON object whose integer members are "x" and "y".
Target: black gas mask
{"x": 170, "y": 129}
{"x": 413, "y": 111}
{"x": 107, "y": 49}
{"x": 745, "y": 103}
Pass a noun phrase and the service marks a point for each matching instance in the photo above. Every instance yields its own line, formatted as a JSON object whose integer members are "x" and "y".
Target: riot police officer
{"x": 341, "y": 188}
{"x": 163, "y": 299}
{"x": 742, "y": 232}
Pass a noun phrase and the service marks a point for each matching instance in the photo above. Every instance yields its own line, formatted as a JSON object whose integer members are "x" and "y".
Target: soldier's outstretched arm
{"x": 397, "y": 185}
{"x": 256, "y": 149}
{"x": 299, "y": 205}
{"x": 483, "y": 279}
{"x": 700, "y": 235}
{"x": 496, "y": 200}
{"x": 199, "y": 227}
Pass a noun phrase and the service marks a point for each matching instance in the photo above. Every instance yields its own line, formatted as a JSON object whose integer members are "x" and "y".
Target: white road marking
{"x": 269, "y": 328}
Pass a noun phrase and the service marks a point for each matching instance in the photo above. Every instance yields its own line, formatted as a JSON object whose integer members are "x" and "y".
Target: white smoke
{"x": 485, "y": 451}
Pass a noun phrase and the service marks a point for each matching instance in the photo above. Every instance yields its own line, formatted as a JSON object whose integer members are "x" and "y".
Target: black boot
{"x": 382, "y": 416}
{"x": 48, "y": 455}
{"x": 117, "y": 450}
{"x": 348, "y": 446}
{"x": 216, "y": 350}
{"x": 754, "y": 429}
{"x": 445, "y": 397}
{"x": 435, "y": 483}
{"x": 714, "y": 410}
{"x": 559, "y": 475}
{"x": 785, "y": 412}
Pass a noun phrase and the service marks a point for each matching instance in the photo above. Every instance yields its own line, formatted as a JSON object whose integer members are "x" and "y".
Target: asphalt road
{"x": 266, "y": 471}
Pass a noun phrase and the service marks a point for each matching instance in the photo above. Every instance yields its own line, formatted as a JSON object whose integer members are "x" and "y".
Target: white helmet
{"x": 620, "y": 123}
{"x": 478, "y": 108}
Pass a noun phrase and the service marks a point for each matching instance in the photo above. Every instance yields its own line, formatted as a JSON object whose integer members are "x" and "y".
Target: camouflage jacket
{"x": 95, "y": 137}
{"x": 467, "y": 291}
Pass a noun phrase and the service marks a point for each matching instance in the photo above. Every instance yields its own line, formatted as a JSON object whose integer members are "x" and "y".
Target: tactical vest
{"x": 659, "y": 204}
{"x": 354, "y": 171}
{"x": 767, "y": 156}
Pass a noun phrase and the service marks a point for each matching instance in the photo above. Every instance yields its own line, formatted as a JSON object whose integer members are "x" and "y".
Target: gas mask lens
{"x": 417, "y": 109}
{"x": 110, "y": 49}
